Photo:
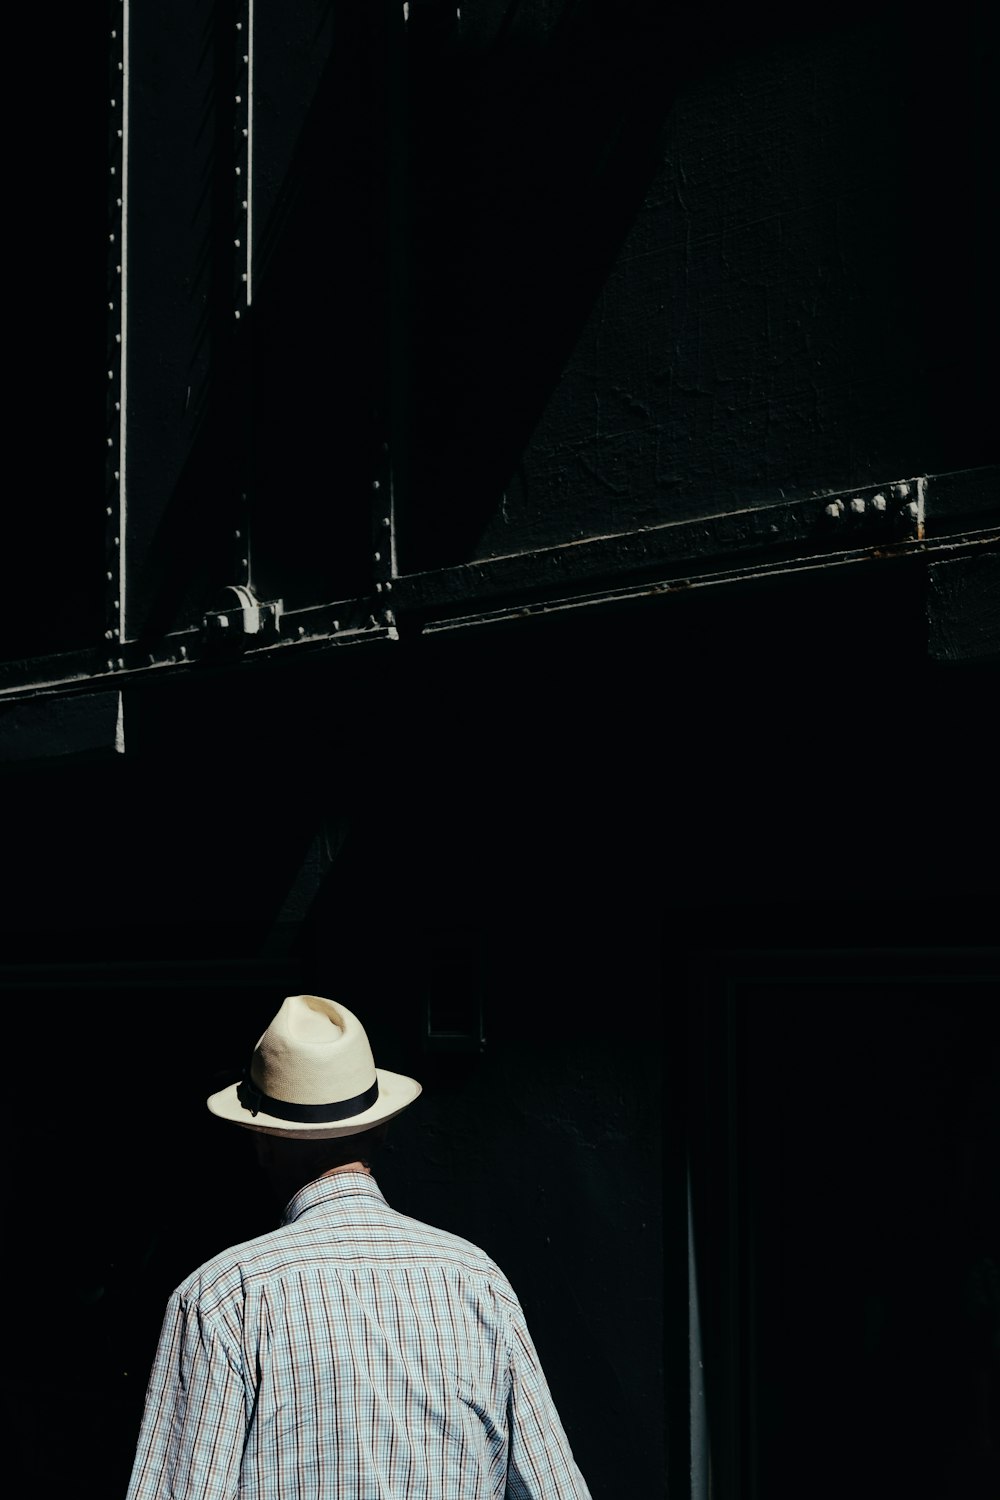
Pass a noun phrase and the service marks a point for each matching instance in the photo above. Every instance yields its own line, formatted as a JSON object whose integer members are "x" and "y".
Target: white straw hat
{"x": 312, "y": 1075}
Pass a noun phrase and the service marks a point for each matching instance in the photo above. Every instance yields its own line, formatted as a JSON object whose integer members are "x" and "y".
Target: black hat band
{"x": 251, "y": 1098}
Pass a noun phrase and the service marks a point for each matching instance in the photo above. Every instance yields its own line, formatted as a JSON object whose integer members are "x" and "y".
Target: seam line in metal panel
{"x": 122, "y": 378}
{"x": 249, "y": 181}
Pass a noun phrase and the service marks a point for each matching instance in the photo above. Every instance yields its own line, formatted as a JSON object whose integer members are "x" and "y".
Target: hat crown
{"x": 312, "y": 1075}
{"x": 314, "y": 1052}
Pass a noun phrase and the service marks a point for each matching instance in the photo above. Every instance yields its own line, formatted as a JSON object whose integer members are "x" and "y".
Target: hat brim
{"x": 395, "y": 1093}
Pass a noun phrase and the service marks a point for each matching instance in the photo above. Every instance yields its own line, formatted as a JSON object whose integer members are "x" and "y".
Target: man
{"x": 352, "y": 1353}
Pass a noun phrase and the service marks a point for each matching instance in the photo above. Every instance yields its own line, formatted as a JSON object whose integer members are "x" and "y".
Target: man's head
{"x": 288, "y": 1163}
{"x": 312, "y": 1078}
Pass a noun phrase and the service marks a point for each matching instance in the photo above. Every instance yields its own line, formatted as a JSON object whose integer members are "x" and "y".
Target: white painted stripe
{"x": 249, "y": 182}
{"x": 123, "y": 317}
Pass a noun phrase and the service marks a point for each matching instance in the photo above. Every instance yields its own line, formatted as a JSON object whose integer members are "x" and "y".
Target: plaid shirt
{"x": 351, "y": 1354}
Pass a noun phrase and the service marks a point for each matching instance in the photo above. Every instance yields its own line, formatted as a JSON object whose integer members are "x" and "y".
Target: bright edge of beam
{"x": 123, "y": 317}
{"x": 249, "y": 181}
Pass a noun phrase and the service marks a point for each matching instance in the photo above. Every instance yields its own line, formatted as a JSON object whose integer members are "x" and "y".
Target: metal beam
{"x": 937, "y": 519}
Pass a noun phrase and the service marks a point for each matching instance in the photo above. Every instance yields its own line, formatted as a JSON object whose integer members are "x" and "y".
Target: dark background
{"x": 717, "y": 875}
{"x": 577, "y": 853}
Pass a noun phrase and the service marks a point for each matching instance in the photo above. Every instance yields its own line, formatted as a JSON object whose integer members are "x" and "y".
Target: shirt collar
{"x": 328, "y": 1189}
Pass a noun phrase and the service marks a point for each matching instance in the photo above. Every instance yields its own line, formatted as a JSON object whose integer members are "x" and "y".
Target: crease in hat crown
{"x": 314, "y": 1055}
{"x": 313, "y": 1052}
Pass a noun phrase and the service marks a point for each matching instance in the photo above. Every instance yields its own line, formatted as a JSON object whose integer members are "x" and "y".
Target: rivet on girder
{"x": 117, "y": 97}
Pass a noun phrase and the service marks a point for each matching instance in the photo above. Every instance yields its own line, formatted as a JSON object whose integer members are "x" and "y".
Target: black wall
{"x": 575, "y": 817}
{"x": 777, "y": 240}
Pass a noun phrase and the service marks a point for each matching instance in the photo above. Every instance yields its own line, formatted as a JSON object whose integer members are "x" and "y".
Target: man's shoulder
{"x": 229, "y": 1271}
{"x": 388, "y": 1242}
{"x": 434, "y": 1242}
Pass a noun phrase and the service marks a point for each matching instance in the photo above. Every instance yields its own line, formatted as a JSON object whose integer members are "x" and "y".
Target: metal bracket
{"x": 241, "y": 617}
